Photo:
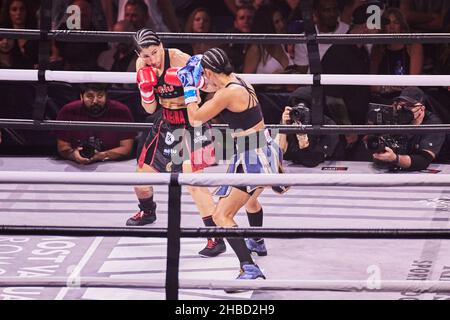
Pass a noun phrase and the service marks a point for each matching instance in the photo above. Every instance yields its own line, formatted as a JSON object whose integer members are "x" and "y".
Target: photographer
{"x": 90, "y": 145}
{"x": 409, "y": 152}
{"x": 300, "y": 148}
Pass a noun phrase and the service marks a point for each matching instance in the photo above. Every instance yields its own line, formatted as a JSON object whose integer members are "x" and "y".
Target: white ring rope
{"x": 384, "y": 80}
{"x": 314, "y": 179}
{"x": 83, "y": 76}
{"x": 18, "y": 75}
{"x": 305, "y": 79}
{"x": 416, "y": 286}
{"x": 90, "y": 178}
{"x": 216, "y": 179}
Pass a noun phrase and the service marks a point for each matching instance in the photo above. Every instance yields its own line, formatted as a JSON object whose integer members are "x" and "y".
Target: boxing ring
{"x": 343, "y": 231}
{"x": 341, "y": 265}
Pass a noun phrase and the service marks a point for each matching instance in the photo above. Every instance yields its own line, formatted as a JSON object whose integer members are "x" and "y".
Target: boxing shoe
{"x": 143, "y": 217}
{"x": 257, "y": 247}
{"x": 248, "y": 272}
{"x": 213, "y": 248}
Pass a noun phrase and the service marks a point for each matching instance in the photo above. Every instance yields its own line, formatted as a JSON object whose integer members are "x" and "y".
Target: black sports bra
{"x": 249, "y": 117}
{"x": 164, "y": 90}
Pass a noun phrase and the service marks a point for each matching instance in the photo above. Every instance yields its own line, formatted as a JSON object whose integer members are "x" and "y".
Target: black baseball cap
{"x": 412, "y": 95}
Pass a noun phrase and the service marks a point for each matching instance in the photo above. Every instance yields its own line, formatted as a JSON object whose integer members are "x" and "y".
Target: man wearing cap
{"x": 422, "y": 149}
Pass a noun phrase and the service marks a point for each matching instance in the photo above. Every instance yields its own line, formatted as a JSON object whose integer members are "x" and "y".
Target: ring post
{"x": 173, "y": 238}
{"x": 44, "y": 61}
{"x": 315, "y": 67}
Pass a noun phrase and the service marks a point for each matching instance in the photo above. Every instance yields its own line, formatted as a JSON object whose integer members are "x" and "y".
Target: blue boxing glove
{"x": 190, "y": 76}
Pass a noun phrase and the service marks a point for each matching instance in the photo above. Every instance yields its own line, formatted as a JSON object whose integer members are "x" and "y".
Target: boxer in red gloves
{"x": 172, "y": 145}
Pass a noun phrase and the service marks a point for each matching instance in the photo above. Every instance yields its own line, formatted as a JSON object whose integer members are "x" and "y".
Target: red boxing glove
{"x": 172, "y": 78}
{"x": 146, "y": 79}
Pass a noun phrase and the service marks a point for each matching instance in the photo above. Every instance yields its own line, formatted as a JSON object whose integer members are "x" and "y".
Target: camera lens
{"x": 87, "y": 151}
{"x": 375, "y": 144}
{"x": 295, "y": 115}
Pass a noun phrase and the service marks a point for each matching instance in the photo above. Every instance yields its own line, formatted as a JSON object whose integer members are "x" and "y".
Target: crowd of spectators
{"x": 344, "y": 104}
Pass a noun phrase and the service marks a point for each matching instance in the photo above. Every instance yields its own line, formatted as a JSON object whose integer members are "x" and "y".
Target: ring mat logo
{"x": 334, "y": 168}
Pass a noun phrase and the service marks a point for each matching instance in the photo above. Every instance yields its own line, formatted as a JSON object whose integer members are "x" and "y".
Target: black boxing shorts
{"x": 173, "y": 141}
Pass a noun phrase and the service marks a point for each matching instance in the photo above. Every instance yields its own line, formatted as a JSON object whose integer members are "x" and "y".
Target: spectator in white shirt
{"x": 326, "y": 18}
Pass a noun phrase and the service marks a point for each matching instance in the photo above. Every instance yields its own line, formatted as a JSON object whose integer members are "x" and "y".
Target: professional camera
{"x": 380, "y": 114}
{"x": 378, "y": 144}
{"x": 89, "y": 147}
{"x": 300, "y": 113}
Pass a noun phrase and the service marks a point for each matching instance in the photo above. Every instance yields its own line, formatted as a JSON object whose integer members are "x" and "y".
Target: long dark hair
{"x": 30, "y": 21}
{"x": 399, "y": 17}
{"x": 190, "y": 20}
{"x": 18, "y": 60}
{"x": 263, "y": 23}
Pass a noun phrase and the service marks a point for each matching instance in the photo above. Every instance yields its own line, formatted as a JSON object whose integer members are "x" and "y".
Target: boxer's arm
{"x": 148, "y": 107}
{"x": 209, "y": 109}
{"x": 179, "y": 59}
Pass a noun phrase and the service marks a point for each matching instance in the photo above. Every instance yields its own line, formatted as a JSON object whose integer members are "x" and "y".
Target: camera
{"x": 89, "y": 147}
{"x": 378, "y": 144}
{"x": 300, "y": 113}
{"x": 380, "y": 114}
